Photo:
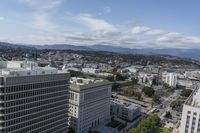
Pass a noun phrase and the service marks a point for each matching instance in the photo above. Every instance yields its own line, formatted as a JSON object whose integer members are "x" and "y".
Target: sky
{"x": 125, "y": 23}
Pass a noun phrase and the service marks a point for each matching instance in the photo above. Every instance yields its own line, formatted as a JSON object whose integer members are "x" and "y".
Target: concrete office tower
{"x": 89, "y": 104}
{"x": 32, "y": 99}
{"x": 171, "y": 79}
{"x": 190, "y": 122}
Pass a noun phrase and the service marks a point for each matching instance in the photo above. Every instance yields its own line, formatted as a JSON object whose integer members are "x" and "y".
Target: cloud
{"x": 191, "y": 39}
{"x": 155, "y": 32}
{"x": 99, "y": 31}
{"x": 41, "y": 14}
{"x": 43, "y": 23}
{"x": 170, "y": 37}
{"x": 147, "y": 30}
{"x": 95, "y": 24}
{"x": 35, "y": 39}
{"x": 42, "y": 5}
{"x": 2, "y": 18}
{"x": 139, "y": 29}
{"x": 123, "y": 39}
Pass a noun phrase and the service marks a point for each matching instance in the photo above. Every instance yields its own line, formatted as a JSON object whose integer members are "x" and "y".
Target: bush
{"x": 75, "y": 73}
{"x": 156, "y": 98}
{"x": 169, "y": 88}
{"x": 134, "y": 80}
{"x": 115, "y": 86}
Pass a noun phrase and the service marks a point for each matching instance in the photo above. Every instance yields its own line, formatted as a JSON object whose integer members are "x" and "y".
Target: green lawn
{"x": 164, "y": 130}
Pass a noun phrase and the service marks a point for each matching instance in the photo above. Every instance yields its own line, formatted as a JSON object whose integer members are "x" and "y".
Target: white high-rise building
{"x": 171, "y": 79}
{"x": 190, "y": 122}
{"x": 89, "y": 104}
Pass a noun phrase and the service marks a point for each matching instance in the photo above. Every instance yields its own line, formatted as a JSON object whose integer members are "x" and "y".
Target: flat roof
{"x": 78, "y": 84}
{"x": 24, "y": 68}
{"x": 124, "y": 103}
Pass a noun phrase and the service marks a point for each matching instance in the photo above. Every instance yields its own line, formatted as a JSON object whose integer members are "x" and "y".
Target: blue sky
{"x": 125, "y": 23}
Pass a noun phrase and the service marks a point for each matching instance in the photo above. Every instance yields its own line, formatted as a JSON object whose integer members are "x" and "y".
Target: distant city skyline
{"x": 130, "y": 23}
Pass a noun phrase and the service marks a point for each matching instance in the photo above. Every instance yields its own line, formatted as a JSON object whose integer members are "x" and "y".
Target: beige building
{"x": 190, "y": 122}
{"x": 89, "y": 104}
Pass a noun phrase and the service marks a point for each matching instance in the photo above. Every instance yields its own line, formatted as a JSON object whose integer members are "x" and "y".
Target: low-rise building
{"x": 91, "y": 70}
{"x": 124, "y": 110}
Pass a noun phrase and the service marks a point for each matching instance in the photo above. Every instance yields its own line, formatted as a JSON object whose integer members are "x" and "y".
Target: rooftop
{"x": 84, "y": 81}
{"x": 124, "y": 103}
{"x": 194, "y": 98}
{"x": 78, "y": 84}
{"x": 23, "y": 68}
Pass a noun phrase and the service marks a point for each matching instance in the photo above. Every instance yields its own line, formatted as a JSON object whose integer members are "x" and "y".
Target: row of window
{"x": 37, "y": 117}
{"x": 34, "y": 110}
{"x": 27, "y": 87}
{"x": 34, "y": 104}
{"x": 35, "y": 79}
{"x": 34, "y": 99}
{"x": 39, "y": 125}
{"x": 31, "y": 116}
{"x": 32, "y": 93}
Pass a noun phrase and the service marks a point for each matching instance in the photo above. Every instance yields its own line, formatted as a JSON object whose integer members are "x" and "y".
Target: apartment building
{"x": 125, "y": 110}
{"x": 170, "y": 78}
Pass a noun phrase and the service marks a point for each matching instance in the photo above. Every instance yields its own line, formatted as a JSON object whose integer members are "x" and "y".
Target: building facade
{"x": 171, "y": 79}
{"x": 33, "y": 100}
{"x": 89, "y": 104}
{"x": 124, "y": 110}
{"x": 190, "y": 121}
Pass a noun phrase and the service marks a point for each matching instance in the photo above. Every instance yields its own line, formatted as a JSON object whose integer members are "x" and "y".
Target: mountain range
{"x": 184, "y": 53}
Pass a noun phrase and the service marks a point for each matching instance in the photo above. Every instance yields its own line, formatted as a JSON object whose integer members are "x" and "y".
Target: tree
{"x": 186, "y": 92}
{"x": 147, "y": 125}
{"x": 148, "y": 91}
{"x": 169, "y": 88}
{"x": 168, "y": 115}
{"x": 119, "y": 77}
{"x": 115, "y": 86}
{"x": 129, "y": 92}
{"x": 156, "y": 98}
{"x": 134, "y": 80}
{"x": 114, "y": 71}
{"x": 138, "y": 95}
{"x": 71, "y": 130}
{"x": 75, "y": 73}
